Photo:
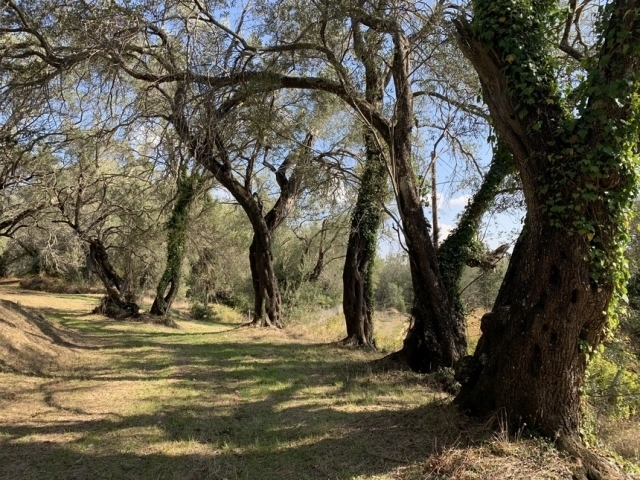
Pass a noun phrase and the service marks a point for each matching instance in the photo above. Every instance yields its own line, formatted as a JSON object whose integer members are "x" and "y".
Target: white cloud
{"x": 444, "y": 230}
{"x": 460, "y": 201}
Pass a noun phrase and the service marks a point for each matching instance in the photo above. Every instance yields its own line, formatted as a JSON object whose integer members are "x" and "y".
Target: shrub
{"x": 611, "y": 389}
{"x": 205, "y": 313}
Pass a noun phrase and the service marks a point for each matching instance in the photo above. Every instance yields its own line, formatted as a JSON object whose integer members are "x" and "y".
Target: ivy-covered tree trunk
{"x": 578, "y": 167}
{"x": 116, "y": 303}
{"x": 461, "y": 247}
{"x": 357, "y": 300}
{"x": 177, "y": 224}
{"x": 357, "y": 296}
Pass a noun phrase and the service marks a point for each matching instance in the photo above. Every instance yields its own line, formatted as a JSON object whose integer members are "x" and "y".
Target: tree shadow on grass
{"x": 296, "y": 442}
{"x": 192, "y": 406}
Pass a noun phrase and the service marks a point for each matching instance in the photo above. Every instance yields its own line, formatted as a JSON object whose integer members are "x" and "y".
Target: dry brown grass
{"x": 214, "y": 401}
{"x": 622, "y": 437}
{"x": 57, "y": 285}
{"x": 390, "y": 327}
{"x": 497, "y": 460}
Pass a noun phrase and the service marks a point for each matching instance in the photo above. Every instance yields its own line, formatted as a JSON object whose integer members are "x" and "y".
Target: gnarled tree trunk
{"x": 578, "y": 181}
{"x": 530, "y": 359}
{"x": 436, "y": 338}
{"x": 210, "y": 152}
{"x": 116, "y": 303}
{"x": 267, "y": 300}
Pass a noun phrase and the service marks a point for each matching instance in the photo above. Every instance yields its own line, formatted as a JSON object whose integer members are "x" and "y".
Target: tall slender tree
{"x": 357, "y": 297}
{"x": 188, "y": 184}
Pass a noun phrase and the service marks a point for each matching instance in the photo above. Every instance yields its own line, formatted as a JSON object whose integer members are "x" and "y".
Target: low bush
{"x": 202, "y": 312}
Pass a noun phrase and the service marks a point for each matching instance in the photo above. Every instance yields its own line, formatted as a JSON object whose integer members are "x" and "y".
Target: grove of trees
{"x": 134, "y": 134}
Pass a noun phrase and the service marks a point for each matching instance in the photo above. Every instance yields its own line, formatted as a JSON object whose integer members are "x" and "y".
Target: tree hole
{"x": 542, "y": 302}
{"x": 574, "y": 296}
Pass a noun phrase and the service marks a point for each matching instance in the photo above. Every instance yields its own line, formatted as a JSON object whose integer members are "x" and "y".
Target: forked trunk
{"x": 268, "y": 303}
{"x": 116, "y": 303}
{"x": 461, "y": 248}
{"x": 578, "y": 172}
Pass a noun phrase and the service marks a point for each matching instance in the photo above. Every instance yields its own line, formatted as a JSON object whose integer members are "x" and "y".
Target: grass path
{"x": 214, "y": 401}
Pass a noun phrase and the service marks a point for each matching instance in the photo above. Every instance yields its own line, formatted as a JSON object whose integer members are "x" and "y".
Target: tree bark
{"x": 210, "y": 152}
{"x": 169, "y": 283}
{"x": 546, "y": 314}
{"x": 267, "y": 299}
{"x": 436, "y": 338}
{"x": 357, "y": 300}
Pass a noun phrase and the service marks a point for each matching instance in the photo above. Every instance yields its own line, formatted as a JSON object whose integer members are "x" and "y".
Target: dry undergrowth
{"x": 212, "y": 401}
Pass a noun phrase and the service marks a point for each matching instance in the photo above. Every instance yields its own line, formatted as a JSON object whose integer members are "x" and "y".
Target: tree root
{"x": 131, "y": 312}
{"x": 165, "y": 320}
{"x": 591, "y": 466}
{"x": 259, "y": 322}
{"x": 394, "y": 362}
{"x": 112, "y": 309}
{"x": 354, "y": 341}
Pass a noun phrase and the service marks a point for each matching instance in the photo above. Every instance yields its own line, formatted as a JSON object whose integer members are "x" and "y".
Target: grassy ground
{"x": 215, "y": 401}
